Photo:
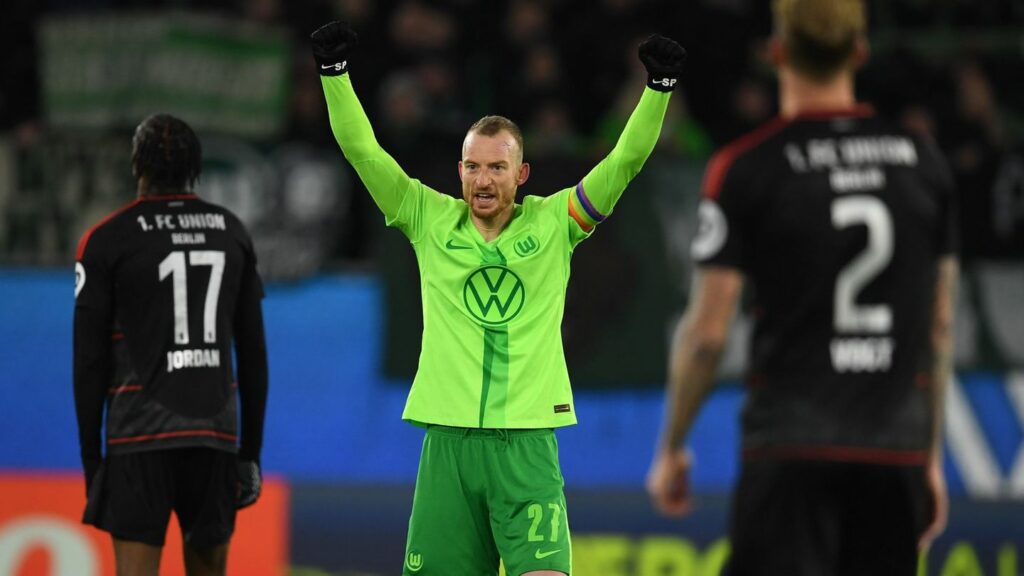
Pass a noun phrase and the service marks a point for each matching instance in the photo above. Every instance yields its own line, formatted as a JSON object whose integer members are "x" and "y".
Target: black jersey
{"x": 163, "y": 288}
{"x": 838, "y": 221}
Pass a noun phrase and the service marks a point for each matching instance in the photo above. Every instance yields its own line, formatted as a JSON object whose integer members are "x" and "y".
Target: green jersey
{"x": 492, "y": 311}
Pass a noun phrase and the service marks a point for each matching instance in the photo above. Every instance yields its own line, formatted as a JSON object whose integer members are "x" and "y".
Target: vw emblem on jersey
{"x": 79, "y": 278}
{"x": 494, "y": 294}
{"x": 712, "y": 231}
{"x": 414, "y": 561}
{"x": 526, "y": 245}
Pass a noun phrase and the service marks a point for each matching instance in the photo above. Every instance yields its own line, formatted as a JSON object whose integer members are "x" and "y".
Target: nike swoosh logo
{"x": 452, "y": 246}
{"x": 541, "y": 555}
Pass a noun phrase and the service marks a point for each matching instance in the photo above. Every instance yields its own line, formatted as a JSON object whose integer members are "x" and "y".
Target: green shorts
{"x": 484, "y": 495}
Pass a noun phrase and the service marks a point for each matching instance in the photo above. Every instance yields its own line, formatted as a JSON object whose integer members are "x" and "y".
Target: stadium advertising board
{"x": 41, "y": 533}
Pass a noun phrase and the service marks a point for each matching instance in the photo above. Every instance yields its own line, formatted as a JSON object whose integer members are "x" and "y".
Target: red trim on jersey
{"x": 125, "y": 388}
{"x": 720, "y": 163}
{"x": 857, "y": 111}
{"x": 85, "y": 237}
{"x": 179, "y": 434}
{"x": 840, "y": 454}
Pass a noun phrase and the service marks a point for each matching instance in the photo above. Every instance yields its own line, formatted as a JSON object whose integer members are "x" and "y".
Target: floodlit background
{"x": 342, "y": 308}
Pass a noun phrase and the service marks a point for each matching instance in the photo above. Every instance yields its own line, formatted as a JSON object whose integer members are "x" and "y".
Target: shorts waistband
{"x": 501, "y": 433}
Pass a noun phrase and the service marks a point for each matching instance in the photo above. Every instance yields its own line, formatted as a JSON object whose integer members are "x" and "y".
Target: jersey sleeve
{"x": 93, "y": 322}
{"x": 596, "y": 194}
{"x": 719, "y": 239}
{"x": 251, "y": 356}
{"x": 947, "y": 240}
{"x": 387, "y": 183}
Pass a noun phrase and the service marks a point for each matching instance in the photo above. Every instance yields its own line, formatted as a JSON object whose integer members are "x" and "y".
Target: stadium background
{"x": 342, "y": 307}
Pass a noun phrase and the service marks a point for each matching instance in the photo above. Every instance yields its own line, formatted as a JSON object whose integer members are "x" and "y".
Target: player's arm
{"x": 943, "y": 311}
{"x": 333, "y": 45}
{"x": 595, "y": 196}
{"x": 92, "y": 364}
{"x": 697, "y": 348}
{"x": 251, "y": 355}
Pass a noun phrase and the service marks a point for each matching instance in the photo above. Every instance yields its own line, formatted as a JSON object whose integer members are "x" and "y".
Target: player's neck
{"x": 800, "y": 95}
{"x": 144, "y": 190}
{"x": 491, "y": 228}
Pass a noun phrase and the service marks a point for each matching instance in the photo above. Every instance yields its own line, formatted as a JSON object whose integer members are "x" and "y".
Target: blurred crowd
{"x": 567, "y": 72}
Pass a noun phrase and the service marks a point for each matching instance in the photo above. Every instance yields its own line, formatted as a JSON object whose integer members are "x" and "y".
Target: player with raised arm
{"x": 844, "y": 227}
{"x": 163, "y": 287}
{"x": 492, "y": 380}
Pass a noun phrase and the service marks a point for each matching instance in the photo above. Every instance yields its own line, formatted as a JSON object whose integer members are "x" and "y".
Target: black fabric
{"x": 796, "y": 206}
{"x": 166, "y": 286}
{"x": 663, "y": 58}
{"x": 808, "y": 518}
{"x": 333, "y": 44}
{"x": 133, "y": 497}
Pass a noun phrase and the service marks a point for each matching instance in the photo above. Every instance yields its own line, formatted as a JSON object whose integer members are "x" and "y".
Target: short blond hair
{"x": 820, "y": 35}
{"x": 491, "y": 125}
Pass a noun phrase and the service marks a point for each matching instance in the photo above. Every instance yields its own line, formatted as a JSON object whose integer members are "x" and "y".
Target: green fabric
{"x": 482, "y": 495}
{"x": 605, "y": 183}
{"x": 491, "y": 353}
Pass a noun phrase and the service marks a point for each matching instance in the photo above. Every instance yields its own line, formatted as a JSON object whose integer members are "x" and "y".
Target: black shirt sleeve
{"x": 719, "y": 240}
{"x": 251, "y": 354}
{"x": 92, "y": 346}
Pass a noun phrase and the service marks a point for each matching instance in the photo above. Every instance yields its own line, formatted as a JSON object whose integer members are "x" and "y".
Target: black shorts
{"x": 133, "y": 494}
{"x": 807, "y": 518}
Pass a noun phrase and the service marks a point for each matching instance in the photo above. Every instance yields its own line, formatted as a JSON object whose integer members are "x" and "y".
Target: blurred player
{"x": 163, "y": 287}
{"x": 492, "y": 381}
{"x": 844, "y": 228}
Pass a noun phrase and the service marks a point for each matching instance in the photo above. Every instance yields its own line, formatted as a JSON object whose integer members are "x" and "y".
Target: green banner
{"x": 112, "y": 70}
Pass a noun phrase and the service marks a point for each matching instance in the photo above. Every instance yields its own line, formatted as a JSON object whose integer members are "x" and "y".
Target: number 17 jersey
{"x": 838, "y": 221}
{"x": 161, "y": 288}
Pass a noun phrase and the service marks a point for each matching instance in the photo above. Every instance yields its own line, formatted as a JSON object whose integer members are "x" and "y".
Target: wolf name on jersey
{"x": 164, "y": 286}
{"x": 828, "y": 216}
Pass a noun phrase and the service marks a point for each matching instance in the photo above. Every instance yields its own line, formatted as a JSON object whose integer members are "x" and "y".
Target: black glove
{"x": 333, "y": 43}
{"x": 663, "y": 58}
{"x": 250, "y": 482}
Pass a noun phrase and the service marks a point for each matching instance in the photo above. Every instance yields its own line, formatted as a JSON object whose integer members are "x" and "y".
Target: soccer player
{"x": 843, "y": 226}
{"x": 163, "y": 287}
{"x": 492, "y": 380}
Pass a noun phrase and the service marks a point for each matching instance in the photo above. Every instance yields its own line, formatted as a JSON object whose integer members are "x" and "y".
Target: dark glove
{"x": 663, "y": 58}
{"x": 333, "y": 43}
{"x": 250, "y": 482}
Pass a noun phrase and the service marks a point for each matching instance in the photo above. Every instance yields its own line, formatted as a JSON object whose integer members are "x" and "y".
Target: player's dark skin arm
{"x": 697, "y": 348}
{"x": 943, "y": 312}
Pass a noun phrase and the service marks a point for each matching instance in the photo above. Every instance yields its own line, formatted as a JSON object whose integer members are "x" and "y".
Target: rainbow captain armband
{"x": 582, "y": 211}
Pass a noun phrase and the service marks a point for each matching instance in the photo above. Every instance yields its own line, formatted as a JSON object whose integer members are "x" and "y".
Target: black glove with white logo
{"x": 333, "y": 43}
{"x": 663, "y": 58}
{"x": 250, "y": 482}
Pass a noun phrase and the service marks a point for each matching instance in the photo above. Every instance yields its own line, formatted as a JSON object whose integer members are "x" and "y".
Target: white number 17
{"x": 174, "y": 266}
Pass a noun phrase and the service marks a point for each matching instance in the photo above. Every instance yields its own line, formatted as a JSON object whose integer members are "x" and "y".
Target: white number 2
{"x": 174, "y": 266}
{"x": 848, "y": 316}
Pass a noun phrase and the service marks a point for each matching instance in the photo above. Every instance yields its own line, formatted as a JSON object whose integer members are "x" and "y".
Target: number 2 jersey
{"x": 163, "y": 288}
{"x": 838, "y": 222}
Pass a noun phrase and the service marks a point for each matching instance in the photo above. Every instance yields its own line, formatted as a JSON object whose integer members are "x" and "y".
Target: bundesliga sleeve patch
{"x": 712, "y": 231}
{"x": 79, "y": 278}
